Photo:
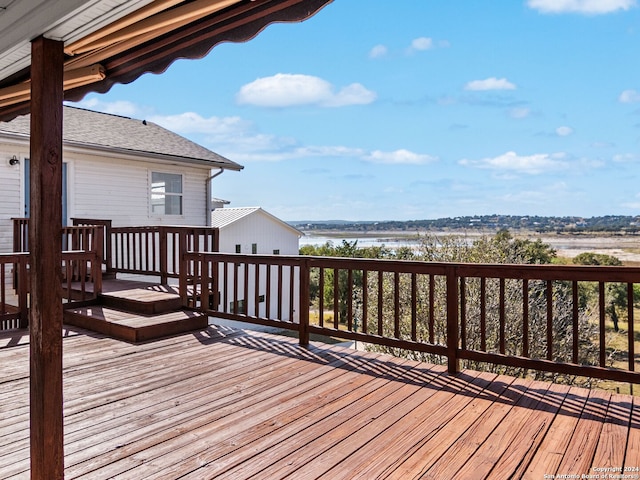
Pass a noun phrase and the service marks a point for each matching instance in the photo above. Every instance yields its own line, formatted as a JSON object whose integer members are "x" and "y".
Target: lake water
{"x": 625, "y": 247}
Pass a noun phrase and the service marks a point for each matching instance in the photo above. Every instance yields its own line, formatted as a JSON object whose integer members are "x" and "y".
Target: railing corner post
{"x": 453, "y": 333}
{"x": 303, "y": 331}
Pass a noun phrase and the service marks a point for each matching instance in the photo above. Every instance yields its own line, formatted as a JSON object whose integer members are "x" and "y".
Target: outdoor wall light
{"x": 14, "y": 161}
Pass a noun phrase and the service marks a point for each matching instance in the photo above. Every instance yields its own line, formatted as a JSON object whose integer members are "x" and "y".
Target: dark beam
{"x": 45, "y": 243}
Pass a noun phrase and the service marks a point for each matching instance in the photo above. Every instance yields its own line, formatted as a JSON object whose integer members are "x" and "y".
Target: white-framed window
{"x": 166, "y": 193}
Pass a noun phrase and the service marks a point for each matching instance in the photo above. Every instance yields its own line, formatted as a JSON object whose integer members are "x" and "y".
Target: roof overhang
{"x": 116, "y": 41}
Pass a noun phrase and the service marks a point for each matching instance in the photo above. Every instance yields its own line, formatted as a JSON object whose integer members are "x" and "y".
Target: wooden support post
{"x": 45, "y": 245}
{"x": 303, "y": 333}
{"x": 452, "y": 321}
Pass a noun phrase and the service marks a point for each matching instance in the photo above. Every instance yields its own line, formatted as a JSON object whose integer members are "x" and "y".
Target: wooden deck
{"x": 227, "y": 404}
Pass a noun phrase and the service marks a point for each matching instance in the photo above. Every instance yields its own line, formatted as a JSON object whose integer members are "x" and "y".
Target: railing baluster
{"x": 502, "y": 319}
{"x": 630, "y": 328}
{"x": 336, "y": 298}
{"x": 601, "y": 323}
{"x": 396, "y": 304}
{"x": 365, "y": 300}
{"x": 321, "y": 297}
{"x": 414, "y": 306}
{"x": 463, "y": 314}
{"x": 246, "y": 287}
{"x": 349, "y": 299}
{"x": 380, "y": 298}
{"x": 483, "y": 314}
{"x": 291, "y": 293}
{"x": 279, "y": 297}
{"x": 268, "y": 292}
{"x": 432, "y": 307}
{"x": 225, "y": 287}
{"x": 549, "y": 320}
{"x": 575, "y": 310}
{"x": 525, "y": 317}
{"x": 256, "y": 289}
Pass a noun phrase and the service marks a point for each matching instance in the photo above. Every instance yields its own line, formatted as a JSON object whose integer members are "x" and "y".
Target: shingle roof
{"x": 113, "y": 132}
{"x": 222, "y": 217}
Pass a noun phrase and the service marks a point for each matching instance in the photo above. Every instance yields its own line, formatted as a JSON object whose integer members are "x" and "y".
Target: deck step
{"x": 140, "y": 297}
{"x": 134, "y": 327}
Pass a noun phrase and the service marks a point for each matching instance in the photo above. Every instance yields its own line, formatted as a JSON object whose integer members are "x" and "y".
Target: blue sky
{"x": 417, "y": 109}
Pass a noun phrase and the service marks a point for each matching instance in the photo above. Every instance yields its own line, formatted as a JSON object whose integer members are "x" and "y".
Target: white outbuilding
{"x": 252, "y": 230}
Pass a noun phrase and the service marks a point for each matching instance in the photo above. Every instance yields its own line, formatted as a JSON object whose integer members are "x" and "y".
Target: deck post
{"x": 452, "y": 320}
{"x": 303, "y": 303}
{"x": 45, "y": 245}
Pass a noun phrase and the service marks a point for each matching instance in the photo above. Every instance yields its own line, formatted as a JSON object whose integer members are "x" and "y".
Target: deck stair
{"x": 136, "y": 311}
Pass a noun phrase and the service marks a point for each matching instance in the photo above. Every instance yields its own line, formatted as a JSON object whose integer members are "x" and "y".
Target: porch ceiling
{"x": 116, "y": 41}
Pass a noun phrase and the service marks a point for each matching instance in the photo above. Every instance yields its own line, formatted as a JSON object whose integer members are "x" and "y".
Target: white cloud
{"x": 398, "y": 157}
{"x": 290, "y": 90}
{"x": 587, "y": 7}
{"x": 491, "y": 83}
{"x": 120, "y": 107}
{"x": 629, "y": 96}
{"x": 626, "y": 158}
{"x": 378, "y": 51}
{"x": 511, "y": 162}
{"x": 422, "y": 43}
{"x": 519, "y": 112}
{"x": 564, "y": 131}
{"x": 191, "y": 122}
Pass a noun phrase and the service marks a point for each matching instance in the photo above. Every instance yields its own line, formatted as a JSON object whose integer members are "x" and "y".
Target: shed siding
{"x": 258, "y": 228}
{"x": 269, "y": 235}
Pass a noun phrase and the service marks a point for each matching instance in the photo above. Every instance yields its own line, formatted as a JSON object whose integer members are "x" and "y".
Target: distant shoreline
{"x": 625, "y": 246}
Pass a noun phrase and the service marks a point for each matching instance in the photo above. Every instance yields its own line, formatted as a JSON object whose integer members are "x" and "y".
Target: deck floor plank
{"x": 551, "y": 451}
{"x": 299, "y": 420}
{"x": 181, "y": 428}
{"x": 271, "y": 415}
{"x": 632, "y": 455}
{"x": 229, "y": 404}
{"x": 435, "y": 444}
{"x": 610, "y": 450}
{"x": 585, "y": 438}
{"x": 464, "y": 448}
{"x": 378, "y": 456}
{"x": 519, "y": 453}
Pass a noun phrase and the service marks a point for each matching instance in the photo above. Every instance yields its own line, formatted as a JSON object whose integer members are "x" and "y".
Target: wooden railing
{"x": 13, "y": 303}
{"x": 521, "y": 316}
{"x": 80, "y": 237}
{"x": 146, "y": 250}
{"x": 155, "y": 250}
{"x": 81, "y": 277}
{"x": 106, "y": 243}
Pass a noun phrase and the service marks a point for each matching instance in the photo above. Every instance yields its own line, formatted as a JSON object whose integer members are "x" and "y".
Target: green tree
{"x": 615, "y": 293}
{"x": 500, "y": 248}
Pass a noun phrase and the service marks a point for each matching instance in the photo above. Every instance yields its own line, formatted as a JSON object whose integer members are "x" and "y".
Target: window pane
{"x": 173, "y": 205}
{"x": 166, "y": 193}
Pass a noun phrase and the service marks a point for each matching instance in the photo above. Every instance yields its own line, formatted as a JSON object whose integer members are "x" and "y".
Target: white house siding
{"x": 10, "y": 194}
{"x": 116, "y": 189}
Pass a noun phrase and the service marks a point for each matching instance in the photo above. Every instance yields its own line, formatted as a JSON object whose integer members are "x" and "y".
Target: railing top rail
{"x": 13, "y": 257}
{"x": 507, "y": 271}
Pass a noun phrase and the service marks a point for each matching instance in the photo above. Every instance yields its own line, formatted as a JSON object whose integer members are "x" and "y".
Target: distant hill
{"x": 607, "y": 223}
